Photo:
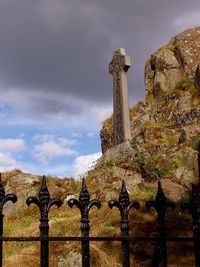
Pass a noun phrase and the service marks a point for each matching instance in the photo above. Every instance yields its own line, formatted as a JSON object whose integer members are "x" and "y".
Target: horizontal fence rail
{"x": 159, "y": 258}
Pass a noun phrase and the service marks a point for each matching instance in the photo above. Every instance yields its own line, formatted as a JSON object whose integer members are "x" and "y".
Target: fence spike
{"x": 44, "y": 202}
{"x": 3, "y": 199}
{"x": 160, "y": 204}
{"x": 124, "y": 206}
{"x": 84, "y": 204}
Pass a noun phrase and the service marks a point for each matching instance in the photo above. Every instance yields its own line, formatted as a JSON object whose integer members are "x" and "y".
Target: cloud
{"x": 84, "y": 163}
{"x": 12, "y": 145}
{"x": 51, "y": 147}
{"x": 7, "y": 162}
{"x": 10, "y": 151}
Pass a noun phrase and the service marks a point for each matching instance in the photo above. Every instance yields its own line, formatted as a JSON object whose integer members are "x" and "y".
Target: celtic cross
{"x": 118, "y": 67}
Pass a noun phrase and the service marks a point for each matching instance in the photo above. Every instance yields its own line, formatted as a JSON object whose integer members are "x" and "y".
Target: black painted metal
{"x": 84, "y": 204}
{"x": 161, "y": 204}
{"x": 44, "y": 203}
{"x": 194, "y": 207}
{"x": 3, "y": 199}
{"x": 94, "y": 238}
{"x": 124, "y": 206}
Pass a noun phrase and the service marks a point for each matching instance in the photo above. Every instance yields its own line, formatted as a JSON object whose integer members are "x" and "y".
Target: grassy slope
{"x": 65, "y": 222}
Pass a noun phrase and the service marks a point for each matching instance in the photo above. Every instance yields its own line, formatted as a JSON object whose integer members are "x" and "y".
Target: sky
{"x": 55, "y": 89}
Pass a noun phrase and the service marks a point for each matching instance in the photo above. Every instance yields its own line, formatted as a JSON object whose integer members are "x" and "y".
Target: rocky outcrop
{"x": 106, "y": 140}
{"x": 162, "y": 70}
{"x": 172, "y": 62}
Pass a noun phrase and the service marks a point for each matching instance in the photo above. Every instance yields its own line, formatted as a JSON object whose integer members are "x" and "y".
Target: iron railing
{"x": 84, "y": 204}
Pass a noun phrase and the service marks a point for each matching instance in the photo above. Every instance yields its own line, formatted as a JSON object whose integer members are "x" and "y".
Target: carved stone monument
{"x": 118, "y": 67}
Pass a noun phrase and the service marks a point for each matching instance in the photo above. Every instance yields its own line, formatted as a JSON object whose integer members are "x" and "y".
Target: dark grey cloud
{"x": 64, "y": 47}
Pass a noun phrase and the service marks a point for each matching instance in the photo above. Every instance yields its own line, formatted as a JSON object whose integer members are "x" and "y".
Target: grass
{"x": 150, "y": 99}
{"x": 103, "y": 222}
{"x": 143, "y": 193}
{"x": 108, "y": 124}
{"x": 185, "y": 84}
{"x": 166, "y": 47}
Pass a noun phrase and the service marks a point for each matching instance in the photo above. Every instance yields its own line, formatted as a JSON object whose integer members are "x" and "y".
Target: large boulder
{"x": 173, "y": 63}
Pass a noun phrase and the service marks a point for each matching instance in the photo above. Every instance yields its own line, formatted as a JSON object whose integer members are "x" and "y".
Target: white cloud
{"x": 7, "y": 162}
{"x": 49, "y": 150}
{"x": 51, "y": 147}
{"x": 12, "y": 145}
{"x": 83, "y": 163}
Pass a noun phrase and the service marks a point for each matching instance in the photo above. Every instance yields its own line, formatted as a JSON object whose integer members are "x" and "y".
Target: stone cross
{"x": 118, "y": 67}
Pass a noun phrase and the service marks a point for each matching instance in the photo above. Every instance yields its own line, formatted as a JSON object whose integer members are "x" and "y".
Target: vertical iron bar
{"x": 162, "y": 241}
{"x": 196, "y": 235}
{"x": 125, "y": 243}
{"x": 196, "y": 228}
{"x": 1, "y": 242}
{"x": 84, "y": 204}
{"x": 3, "y": 199}
{"x": 44, "y": 203}
{"x": 160, "y": 204}
{"x": 44, "y": 244}
{"x": 85, "y": 228}
{"x": 124, "y": 206}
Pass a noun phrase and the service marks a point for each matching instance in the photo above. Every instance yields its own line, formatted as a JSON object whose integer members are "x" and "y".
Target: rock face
{"x": 165, "y": 128}
{"x": 162, "y": 70}
{"x": 171, "y": 62}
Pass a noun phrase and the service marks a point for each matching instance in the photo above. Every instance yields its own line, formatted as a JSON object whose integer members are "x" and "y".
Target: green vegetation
{"x": 150, "y": 99}
{"x": 184, "y": 84}
{"x": 152, "y": 167}
{"x": 108, "y": 124}
{"x": 176, "y": 162}
{"x": 166, "y": 47}
{"x": 135, "y": 142}
{"x": 126, "y": 163}
{"x": 196, "y": 142}
{"x": 143, "y": 193}
{"x": 77, "y": 185}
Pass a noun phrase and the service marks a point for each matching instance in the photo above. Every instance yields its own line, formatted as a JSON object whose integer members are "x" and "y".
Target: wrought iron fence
{"x": 123, "y": 204}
